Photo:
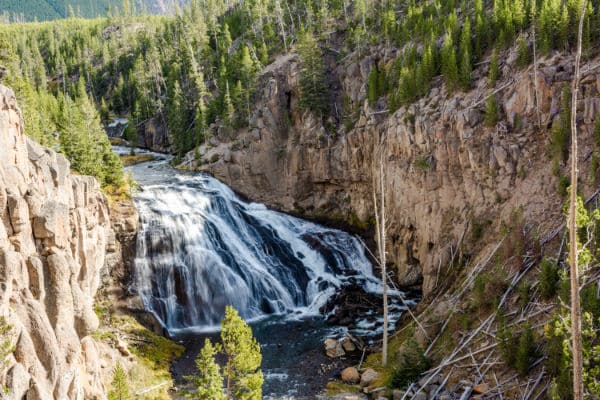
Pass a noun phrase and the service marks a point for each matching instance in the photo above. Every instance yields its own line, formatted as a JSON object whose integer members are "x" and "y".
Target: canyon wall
{"x": 54, "y": 235}
{"x": 446, "y": 174}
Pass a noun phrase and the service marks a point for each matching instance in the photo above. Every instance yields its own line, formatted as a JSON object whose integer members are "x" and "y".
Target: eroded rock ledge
{"x": 54, "y": 234}
{"x": 445, "y": 171}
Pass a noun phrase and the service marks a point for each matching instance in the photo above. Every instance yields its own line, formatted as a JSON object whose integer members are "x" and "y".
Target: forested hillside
{"x": 42, "y": 10}
{"x": 30, "y": 10}
{"x": 201, "y": 66}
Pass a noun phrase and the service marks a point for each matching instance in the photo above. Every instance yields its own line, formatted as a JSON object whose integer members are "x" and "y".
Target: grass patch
{"x": 337, "y": 387}
{"x": 154, "y": 355}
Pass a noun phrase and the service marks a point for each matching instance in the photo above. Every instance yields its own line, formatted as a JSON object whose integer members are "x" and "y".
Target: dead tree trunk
{"x": 573, "y": 250}
{"x": 383, "y": 267}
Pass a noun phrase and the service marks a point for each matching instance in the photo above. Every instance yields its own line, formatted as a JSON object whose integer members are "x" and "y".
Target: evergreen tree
{"x": 523, "y": 52}
{"x": 494, "y": 71}
{"x": 465, "y": 56}
{"x": 119, "y": 387}
{"x": 491, "y": 111}
{"x": 428, "y": 63}
{"x": 313, "y": 81}
{"x": 449, "y": 66}
{"x": 210, "y": 381}
{"x": 372, "y": 92}
{"x": 242, "y": 370}
{"x": 228, "y": 108}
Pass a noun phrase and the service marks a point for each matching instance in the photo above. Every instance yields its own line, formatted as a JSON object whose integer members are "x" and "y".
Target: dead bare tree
{"x": 573, "y": 250}
{"x": 380, "y": 235}
{"x": 535, "y": 65}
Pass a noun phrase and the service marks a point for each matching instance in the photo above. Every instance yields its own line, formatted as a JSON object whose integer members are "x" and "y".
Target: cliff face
{"x": 54, "y": 232}
{"x": 446, "y": 174}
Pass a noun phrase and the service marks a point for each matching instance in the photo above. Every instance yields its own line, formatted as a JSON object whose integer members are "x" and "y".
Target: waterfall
{"x": 201, "y": 247}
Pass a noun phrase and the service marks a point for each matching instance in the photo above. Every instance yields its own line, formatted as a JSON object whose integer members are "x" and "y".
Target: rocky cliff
{"x": 54, "y": 233}
{"x": 446, "y": 175}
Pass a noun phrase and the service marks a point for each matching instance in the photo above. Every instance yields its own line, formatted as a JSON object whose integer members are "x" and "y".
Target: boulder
{"x": 333, "y": 348}
{"x": 350, "y": 375}
{"x": 368, "y": 376}
{"x": 348, "y": 344}
{"x": 123, "y": 348}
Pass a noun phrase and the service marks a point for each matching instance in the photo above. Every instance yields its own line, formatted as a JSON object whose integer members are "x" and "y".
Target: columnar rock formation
{"x": 54, "y": 232}
{"x": 445, "y": 170}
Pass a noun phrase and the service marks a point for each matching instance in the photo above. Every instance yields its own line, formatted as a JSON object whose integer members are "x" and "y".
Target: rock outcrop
{"x": 54, "y": 232}
{"x": 445, "y": 172}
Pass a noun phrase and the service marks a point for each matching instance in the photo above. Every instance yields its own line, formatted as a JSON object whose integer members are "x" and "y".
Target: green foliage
{"x": 313, "y": 81}
{"x": 465, "y": 56}
{"x": 210, "y": 381}
{"x": 6, "y": 345}
{"x": 518, "y": 349}
{"x": 423, "y": 163}
{"x": 494, "y": 71}
{"x": 563, "y": 185}
{"x": 523, "y": 52}
{"x": 119, "y": 386}
{"x": 411, "y": 363}
{"x": 491, "y": 111}
{"x": 449, "y": 65}
{"x": 373, "y": 92}
{"x": 242, "y": 369}
{"x": 488, "y": 286}
{"x": 549, "y": 279}
{"x": 526, "y": 351}
{"x": 596, "y": 134}
{"x": 523, "y": 290}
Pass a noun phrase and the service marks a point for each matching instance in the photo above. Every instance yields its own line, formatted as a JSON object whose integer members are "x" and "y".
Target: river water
{"x": 201, "y": 247}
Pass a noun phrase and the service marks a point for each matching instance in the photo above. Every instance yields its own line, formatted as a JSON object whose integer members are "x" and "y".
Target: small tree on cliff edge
{"x": 241, "y": 371}
{"x": 120, "y": 386}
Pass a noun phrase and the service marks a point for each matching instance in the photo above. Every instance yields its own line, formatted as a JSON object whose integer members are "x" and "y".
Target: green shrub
{"x": 563, "y": 185}
{"x": 559, "y": 141}
{"x": 597, "y": 132}
{"x": 518, "y": 350}
{"x": 523, "y": 52}
{"x": 491, "y": 111}
{"x": 412, "y": 362}
{"x": 524, "y": 292}
{"x": 494, "y": 72}
{"x": 422, "y": 163}
{"x": 526, "y": 351}
{"x": 488, "y": 286}
{"x": 549, "y": 279}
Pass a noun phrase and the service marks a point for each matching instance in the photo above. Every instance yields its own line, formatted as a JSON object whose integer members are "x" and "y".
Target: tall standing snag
{"x": 573, "y": 255}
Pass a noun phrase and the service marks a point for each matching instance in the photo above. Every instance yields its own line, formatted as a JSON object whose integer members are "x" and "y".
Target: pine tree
{"x": 228, "y": 108}
{"x": 210, "y": 381}
{"x": 428, "y": 63}
{"x": 313, "y": 81}
{"x": 120, "y": 386}
{"x": 373, "y": 94}
{"x": 491, "y": 111}
{"x": 494, "y": 71}
{"x": 176, "y": 120}
{"x": 465, "y": 56}
{"x": 242, "y": 371}
{"x": 449, "y": 66}
{"x": 523, "y": 52}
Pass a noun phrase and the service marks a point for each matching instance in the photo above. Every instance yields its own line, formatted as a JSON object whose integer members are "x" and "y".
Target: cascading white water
{"x": 201, "y": 247}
